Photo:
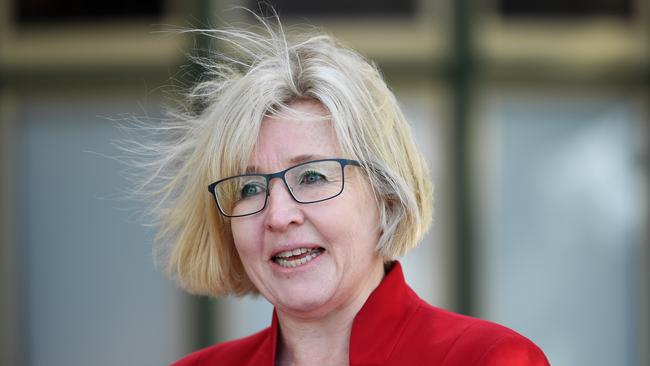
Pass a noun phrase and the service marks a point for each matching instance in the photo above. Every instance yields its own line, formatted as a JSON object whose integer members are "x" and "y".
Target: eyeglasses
{"x": 309, "y": 182}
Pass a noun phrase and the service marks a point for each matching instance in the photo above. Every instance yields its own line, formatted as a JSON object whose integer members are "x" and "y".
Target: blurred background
{"x": 533, "y": 117}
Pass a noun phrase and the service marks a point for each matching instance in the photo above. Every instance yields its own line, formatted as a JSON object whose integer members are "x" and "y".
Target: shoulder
{"x": 235, "y": 352}
{"x": 455, "y": 339}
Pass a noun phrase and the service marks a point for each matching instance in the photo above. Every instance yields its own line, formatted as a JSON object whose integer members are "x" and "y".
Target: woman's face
{"x": 340, "y": 234}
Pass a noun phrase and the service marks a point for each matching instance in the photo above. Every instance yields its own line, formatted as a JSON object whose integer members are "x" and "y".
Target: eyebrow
{"x": 293, "y": 161}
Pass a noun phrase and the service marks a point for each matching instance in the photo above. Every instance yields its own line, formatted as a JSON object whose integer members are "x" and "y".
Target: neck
{"x": 315, "y": 343}
{"x": 321, "y": 340}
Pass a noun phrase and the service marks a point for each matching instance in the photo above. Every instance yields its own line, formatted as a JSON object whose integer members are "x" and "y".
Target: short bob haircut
{"x": 267, "y": 71}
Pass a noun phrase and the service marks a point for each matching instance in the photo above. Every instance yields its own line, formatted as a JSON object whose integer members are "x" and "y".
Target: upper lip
{"x": 285, "y": 248}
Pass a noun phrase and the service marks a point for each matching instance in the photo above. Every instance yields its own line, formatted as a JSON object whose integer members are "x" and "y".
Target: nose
{"x": 282, "y": 210}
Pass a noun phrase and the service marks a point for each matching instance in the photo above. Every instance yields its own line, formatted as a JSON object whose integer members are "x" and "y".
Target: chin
{"x": 307, "y": 306}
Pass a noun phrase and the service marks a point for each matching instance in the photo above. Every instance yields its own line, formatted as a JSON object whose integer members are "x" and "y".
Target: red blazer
{"x": 395, "y": 327}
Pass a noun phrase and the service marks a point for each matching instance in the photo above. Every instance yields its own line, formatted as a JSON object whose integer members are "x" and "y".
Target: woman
{"x": 315, "y": 186}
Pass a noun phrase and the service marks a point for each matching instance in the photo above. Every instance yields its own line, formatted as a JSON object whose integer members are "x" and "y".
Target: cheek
{"x": 244, "y": 237}
{"x": 365, "y": 205}
{"x": 354, "y": 224}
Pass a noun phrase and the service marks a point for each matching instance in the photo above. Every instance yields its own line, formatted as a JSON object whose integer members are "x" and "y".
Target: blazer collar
{"x": 265, "y": 353}
{"x": 377, "y": 326}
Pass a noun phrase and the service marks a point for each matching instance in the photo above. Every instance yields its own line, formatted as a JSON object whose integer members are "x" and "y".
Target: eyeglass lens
{"x": 307, "y": 183}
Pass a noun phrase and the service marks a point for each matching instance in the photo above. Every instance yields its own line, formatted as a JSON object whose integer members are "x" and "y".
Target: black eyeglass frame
{"x": 281, "y": 175}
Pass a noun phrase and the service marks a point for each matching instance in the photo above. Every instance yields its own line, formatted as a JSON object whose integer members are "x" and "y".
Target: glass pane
{"x": 561, "y": 225}
{"x": 90, "y": 293}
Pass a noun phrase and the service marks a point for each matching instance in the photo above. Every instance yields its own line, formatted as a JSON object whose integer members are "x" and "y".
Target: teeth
{"x": 280, "y": 259}
{"x": 289, "y": 253}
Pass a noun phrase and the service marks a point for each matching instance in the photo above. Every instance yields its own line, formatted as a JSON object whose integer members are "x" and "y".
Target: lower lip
{"x": 298, "y": 268}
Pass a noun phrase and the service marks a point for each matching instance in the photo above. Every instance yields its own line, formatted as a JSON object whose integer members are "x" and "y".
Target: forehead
{"x": 302, "y": 132}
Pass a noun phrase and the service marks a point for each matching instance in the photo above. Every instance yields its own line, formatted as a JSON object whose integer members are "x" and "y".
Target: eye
{"x": 312, "y": 177}
{"x": 250, "y": 189}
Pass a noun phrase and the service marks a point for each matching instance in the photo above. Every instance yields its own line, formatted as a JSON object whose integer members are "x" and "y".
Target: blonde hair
{"x": 267, "y": 72}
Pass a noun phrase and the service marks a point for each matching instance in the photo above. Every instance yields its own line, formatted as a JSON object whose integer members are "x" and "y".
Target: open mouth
{"x": 297, "y": 257}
